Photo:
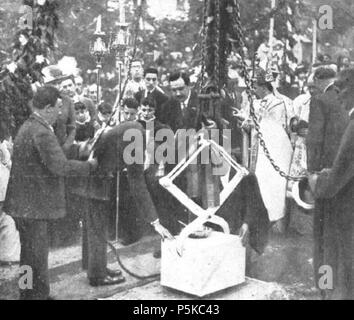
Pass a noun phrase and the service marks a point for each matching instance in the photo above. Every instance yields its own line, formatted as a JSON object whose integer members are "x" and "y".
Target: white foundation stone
{"x": 206, "y": 265}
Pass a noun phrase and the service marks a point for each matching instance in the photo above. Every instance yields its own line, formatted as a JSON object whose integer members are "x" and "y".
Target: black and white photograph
{"x": 194, "y": 152}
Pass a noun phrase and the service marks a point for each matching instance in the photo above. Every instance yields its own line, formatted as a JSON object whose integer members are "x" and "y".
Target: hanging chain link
{"x": 250, "y": 91}
{"x": 217, "y": 44}
{"x": 203, "y": 43}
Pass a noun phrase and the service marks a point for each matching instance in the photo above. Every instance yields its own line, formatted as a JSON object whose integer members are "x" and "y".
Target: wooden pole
{"x": 121, "y": 11}
{"x": 314, "y": 41}
{"x": 117, "y": 206}
{"x": 98, "y": 83}
{"x": 271, "y": 33}
{"x": 245, "y": 148}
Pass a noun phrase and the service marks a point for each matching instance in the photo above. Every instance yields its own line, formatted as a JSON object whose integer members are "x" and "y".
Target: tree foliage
{"x": 33, "y": 44}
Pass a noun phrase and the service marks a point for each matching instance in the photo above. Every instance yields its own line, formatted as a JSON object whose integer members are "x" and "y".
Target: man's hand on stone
{"x": 244, "y": 233}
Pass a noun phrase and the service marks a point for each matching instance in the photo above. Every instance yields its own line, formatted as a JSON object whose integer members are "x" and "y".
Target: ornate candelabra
{"x": 117, "y": 43}
{"x": 99, "y": 49}
{"x": 119, "y": 46}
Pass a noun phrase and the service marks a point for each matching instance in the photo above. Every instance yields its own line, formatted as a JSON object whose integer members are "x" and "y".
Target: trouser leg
{"x": 84, "y": 250}
{"x": 34, "y": 259}
{"x": 97, "y": 233}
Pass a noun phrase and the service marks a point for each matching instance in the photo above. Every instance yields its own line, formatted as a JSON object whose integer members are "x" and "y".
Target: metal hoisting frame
{"x": 203, "y": 215}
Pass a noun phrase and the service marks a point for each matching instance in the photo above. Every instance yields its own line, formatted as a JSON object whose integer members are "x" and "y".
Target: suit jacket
{"x": 177, "y": 118}
{"x": 334, "y": 246}
{"x": 65, "y": 127}
{"x": 111, "y": 152}
{"x": 341, "y": 175}
{"x": 327, "y": 123}
{"x": 36, "y": 186}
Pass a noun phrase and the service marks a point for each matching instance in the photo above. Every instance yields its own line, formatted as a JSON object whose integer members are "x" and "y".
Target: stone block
{"x": 206, "y": 265}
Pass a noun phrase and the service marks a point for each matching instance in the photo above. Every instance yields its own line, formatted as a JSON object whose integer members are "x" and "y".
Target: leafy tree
{"x": 32, "y": 46}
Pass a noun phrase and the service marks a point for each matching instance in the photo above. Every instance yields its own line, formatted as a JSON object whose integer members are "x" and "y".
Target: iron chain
{"x": 250, "y": 91}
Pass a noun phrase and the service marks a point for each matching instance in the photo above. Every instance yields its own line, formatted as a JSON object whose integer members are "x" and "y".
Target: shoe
{"x": 127, "y": 242}
{"x": 114, "y": 273}
{"x": 106, "y": 281}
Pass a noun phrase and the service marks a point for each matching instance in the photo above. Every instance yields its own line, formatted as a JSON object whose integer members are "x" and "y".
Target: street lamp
{"x": 99, "y": 49}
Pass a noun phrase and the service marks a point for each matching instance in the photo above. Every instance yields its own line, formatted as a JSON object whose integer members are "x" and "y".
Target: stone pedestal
{"x": 206, "y": 266}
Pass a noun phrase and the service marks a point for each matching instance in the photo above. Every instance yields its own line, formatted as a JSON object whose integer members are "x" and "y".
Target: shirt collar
{"x": 186, "y": 102}
{"x": 268, "y": 97}
{"x": 351, "y": 112}
{"x": 329, "y": 85}
{"x": 147, "y": 92}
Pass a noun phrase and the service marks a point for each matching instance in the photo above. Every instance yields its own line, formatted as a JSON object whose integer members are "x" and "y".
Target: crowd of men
{"x": 58, "y": 184}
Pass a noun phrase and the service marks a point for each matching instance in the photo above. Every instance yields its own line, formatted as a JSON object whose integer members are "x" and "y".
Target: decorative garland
{"x": 31, "y": 52}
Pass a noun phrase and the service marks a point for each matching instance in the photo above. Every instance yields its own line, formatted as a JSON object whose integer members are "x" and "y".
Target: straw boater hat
{"x": 53, "y": 75}
{"x": 66, "y": 68}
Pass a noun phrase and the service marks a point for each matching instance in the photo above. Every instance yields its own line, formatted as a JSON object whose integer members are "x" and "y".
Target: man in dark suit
{"x": 153, "y": 92}
{"x": 36, "y": 192}
{"x": 115, "y": 152}
{"x": 327, "y": 123}
{"x": 337, "y": 185}
{"x": 181, "y": 110}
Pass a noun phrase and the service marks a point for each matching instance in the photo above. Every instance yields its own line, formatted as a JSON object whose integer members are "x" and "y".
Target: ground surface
{"x": 283, "y": 272}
